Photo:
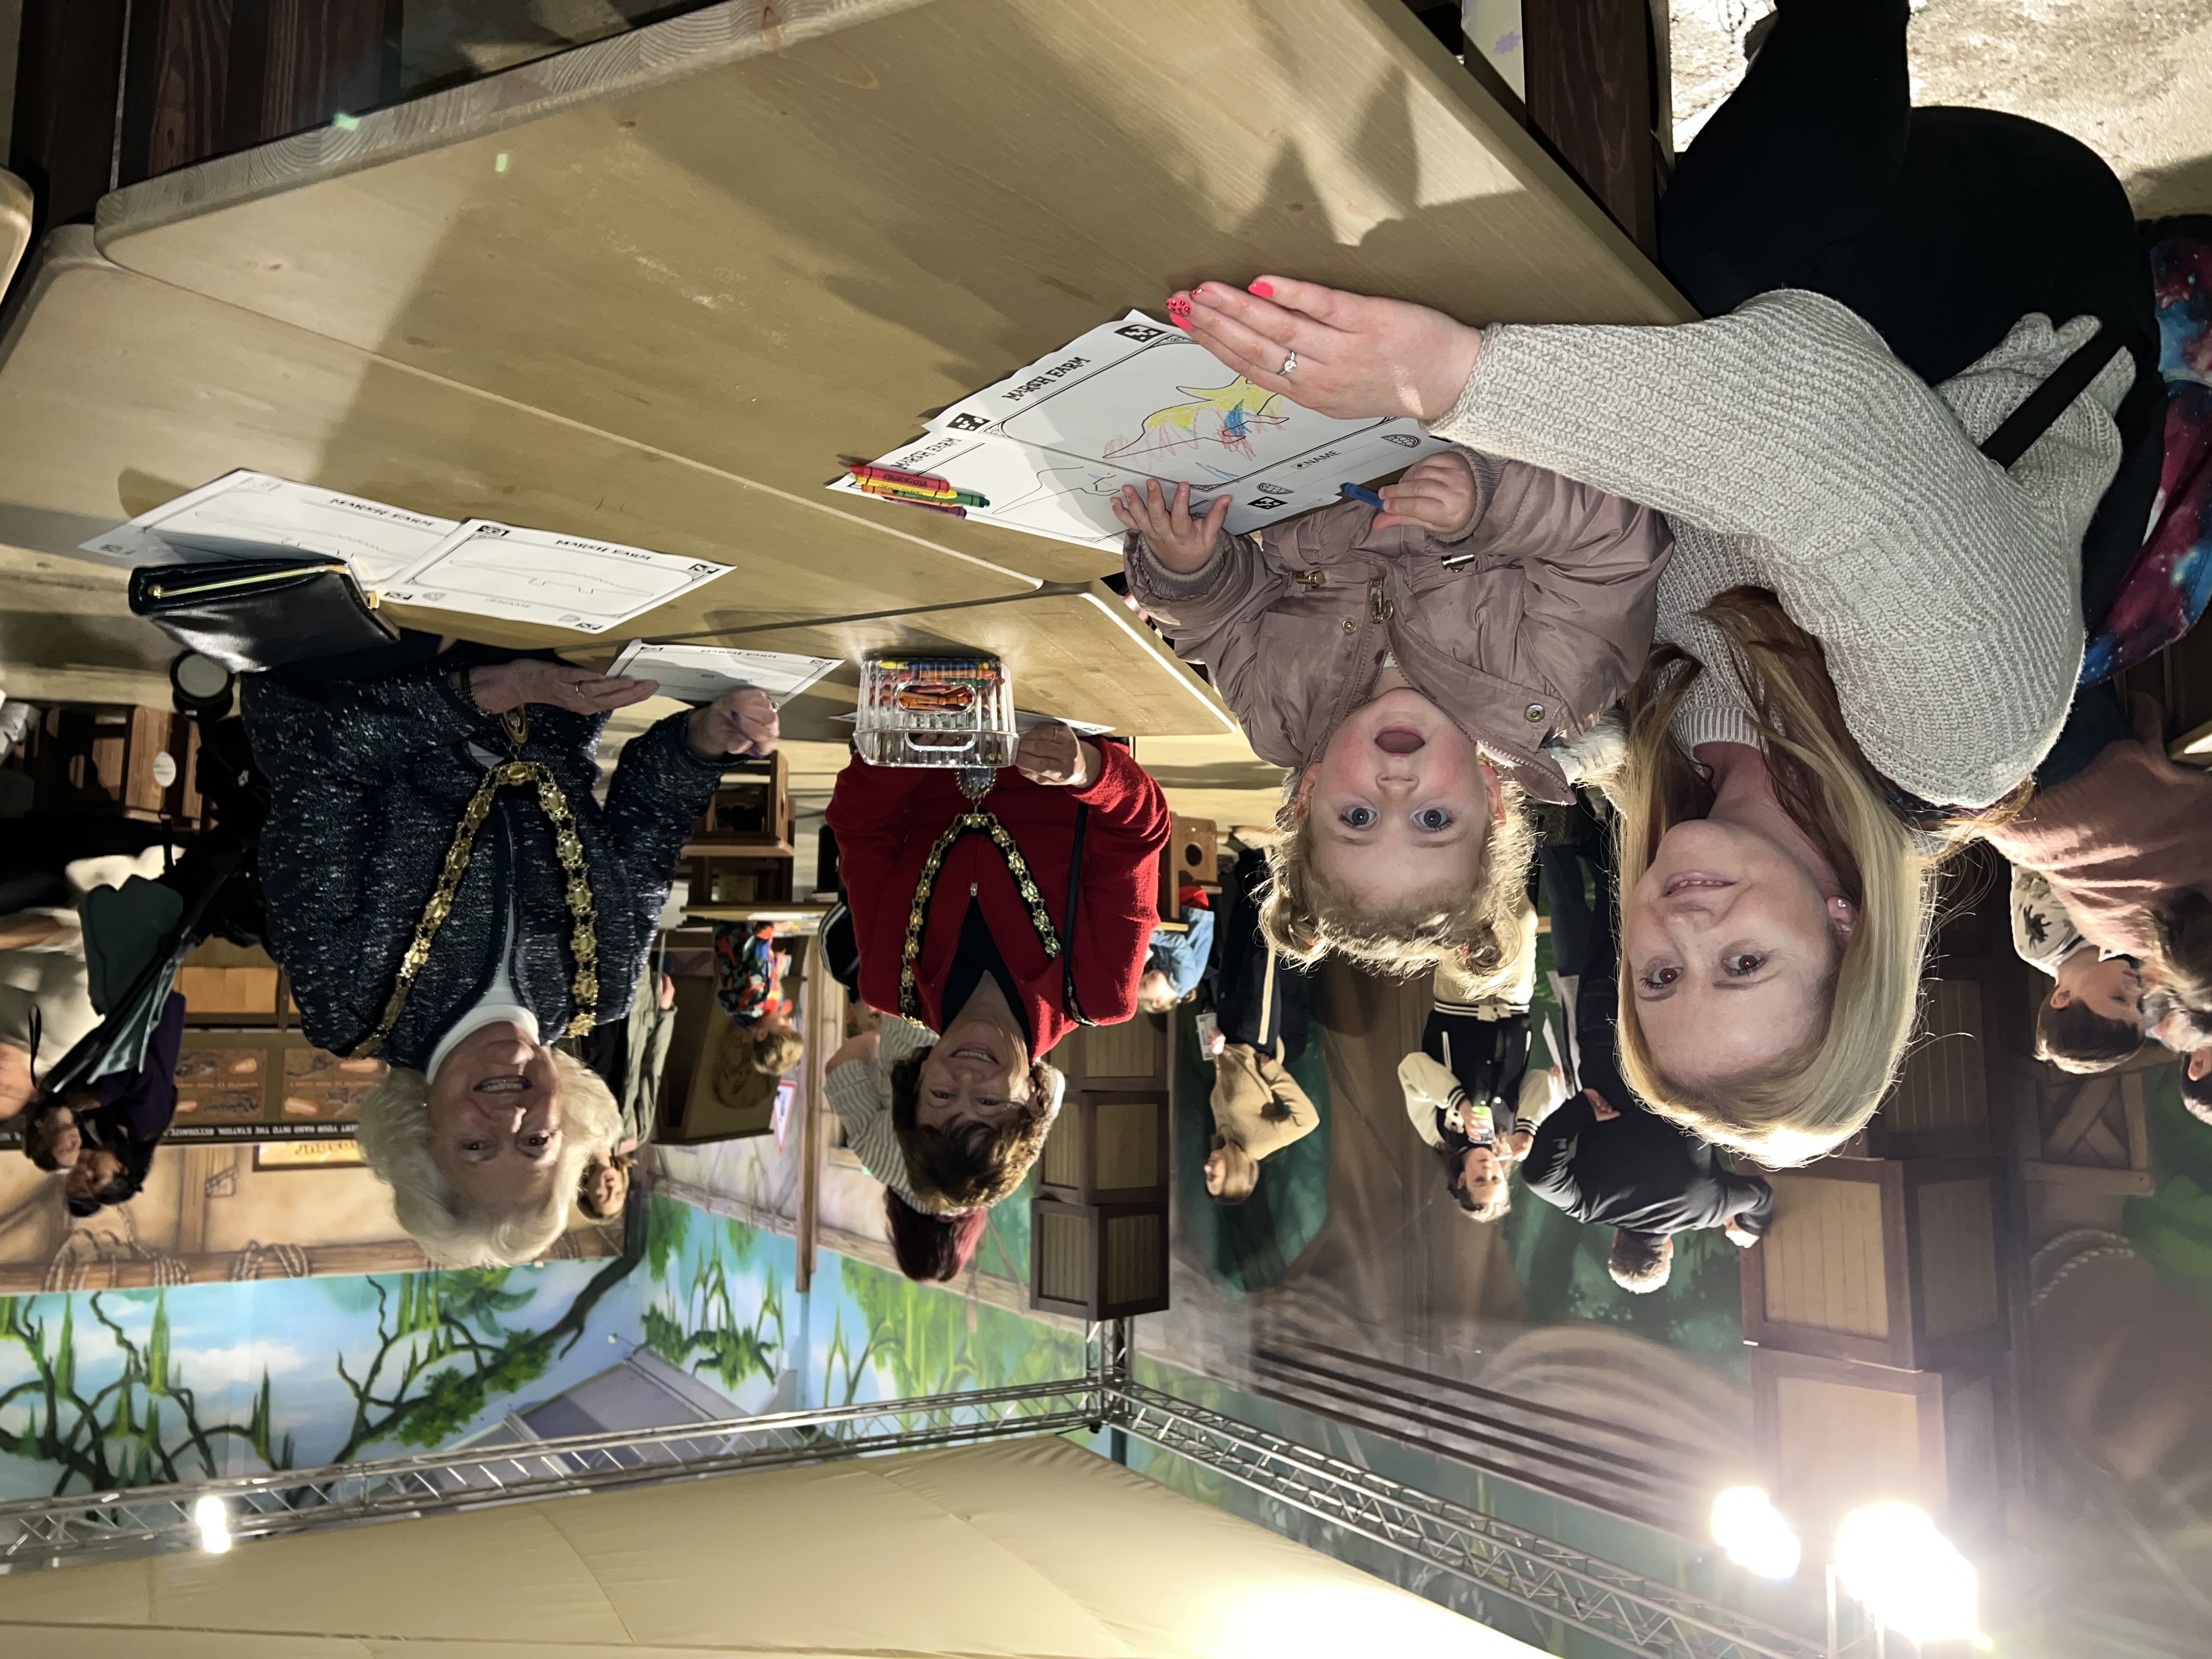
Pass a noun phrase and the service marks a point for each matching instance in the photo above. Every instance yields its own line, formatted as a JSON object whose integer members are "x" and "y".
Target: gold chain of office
{"x": 1017, "y": 866}
{"x": 567, "y": 846}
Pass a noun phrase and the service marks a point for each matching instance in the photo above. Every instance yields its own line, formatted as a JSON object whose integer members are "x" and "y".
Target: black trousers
{"x": 1942, "y": 227}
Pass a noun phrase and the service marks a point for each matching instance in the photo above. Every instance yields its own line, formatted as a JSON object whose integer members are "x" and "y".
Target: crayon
{"x": 947, "y": 497}
{"x": 925, "y": 505}
{"x": 1359, "y": 492}
{"x": 864, "y": 471}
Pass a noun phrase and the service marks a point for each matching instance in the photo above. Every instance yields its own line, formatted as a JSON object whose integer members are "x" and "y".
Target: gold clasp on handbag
{"x": 160, "y": 591}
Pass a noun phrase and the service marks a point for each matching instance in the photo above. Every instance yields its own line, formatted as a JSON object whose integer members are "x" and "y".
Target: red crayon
{"x": 891, "y": 475}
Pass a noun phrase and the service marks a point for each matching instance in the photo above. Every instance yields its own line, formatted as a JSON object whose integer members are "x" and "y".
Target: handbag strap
{"x": 2043, "y": 405}
{"x": 1069, "y": 1002}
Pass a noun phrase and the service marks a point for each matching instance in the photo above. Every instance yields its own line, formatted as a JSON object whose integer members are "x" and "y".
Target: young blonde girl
{"x": 1420, "y": 671}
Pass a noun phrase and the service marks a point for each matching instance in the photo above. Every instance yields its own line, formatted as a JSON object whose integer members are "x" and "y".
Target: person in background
{"x": 1178, "y": 957}
{"x": 46, "y": 997}
{"x": 447, "y": 890}
{"x": 2122, "y": 848}
{"x": 988, "y": 928}
{"x": 748, "y": 974}
{"x": 2092, "y": 1018}
{"x": 102, "y": 1136}
{"x": 630, "y": 1056}
{"x": 1256, "y": 1027}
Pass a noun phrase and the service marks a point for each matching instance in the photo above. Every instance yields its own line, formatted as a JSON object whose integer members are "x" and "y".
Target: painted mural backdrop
{"x": 102, "y": 1388}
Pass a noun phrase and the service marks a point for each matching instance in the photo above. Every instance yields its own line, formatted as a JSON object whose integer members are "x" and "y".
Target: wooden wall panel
{"x": 1826, "y": 1261}
{"x": 1956, "y": 1256}
{"x": 1833, "y": 1438}
{"x": 1944, "y": 1088}
{"x": 1130, "y": 1049}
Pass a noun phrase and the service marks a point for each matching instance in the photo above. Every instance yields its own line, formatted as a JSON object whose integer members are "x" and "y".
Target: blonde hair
{"x": 1801, "y": 1103}
{"x": 776, "y": 1051}
{"x": 1240, "y": 1172}
{"x": 1306, "y": 916}
{"x": 394, "y": 1131}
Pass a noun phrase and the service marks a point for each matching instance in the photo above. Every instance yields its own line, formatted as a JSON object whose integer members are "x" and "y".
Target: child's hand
{"x": 1436, "y": 493}
{"x": 1518, "y": 1143}
{"x": 1184, "y": 544}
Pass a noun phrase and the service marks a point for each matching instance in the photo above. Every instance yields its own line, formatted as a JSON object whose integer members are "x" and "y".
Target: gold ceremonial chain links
{"x": 1017, "y": 866}
{"x": 567, "y": 846}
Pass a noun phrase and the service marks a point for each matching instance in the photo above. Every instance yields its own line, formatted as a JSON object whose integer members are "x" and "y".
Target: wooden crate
{"x": 108, "y": 758}
{"x": 1131, "y": 1058}
{"x": 1940, "y": 1107}
{"x": 1192, "y": 858}
{"x": 1885, "y": 1261}
{"x": 1831, "y": 1435}
{"x": 1098, "y": 1260}
{"x": 2089, "y": 1132}
{"x": 1107, "y": 1149}
{"x": 741, "y": 853}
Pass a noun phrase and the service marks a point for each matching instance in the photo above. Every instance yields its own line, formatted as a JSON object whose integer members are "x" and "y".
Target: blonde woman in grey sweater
{"x": 1870, "y": 631}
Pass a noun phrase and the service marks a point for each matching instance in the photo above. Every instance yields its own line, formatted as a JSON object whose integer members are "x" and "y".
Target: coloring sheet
{"x": 700, "y": 673}
{"x": 1140, "y": 397}
{"x": 251, "y": 515}
{"x": 487, "y": 569}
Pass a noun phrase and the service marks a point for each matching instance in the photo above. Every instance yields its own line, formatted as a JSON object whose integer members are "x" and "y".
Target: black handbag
{"x": 255, "y": 614}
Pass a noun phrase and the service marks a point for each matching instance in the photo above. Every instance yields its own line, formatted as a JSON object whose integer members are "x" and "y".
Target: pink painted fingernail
{"x": 1264, "y": 289}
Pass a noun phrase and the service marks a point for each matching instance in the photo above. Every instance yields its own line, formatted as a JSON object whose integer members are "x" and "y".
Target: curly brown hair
{"x": 972, "y": 1165}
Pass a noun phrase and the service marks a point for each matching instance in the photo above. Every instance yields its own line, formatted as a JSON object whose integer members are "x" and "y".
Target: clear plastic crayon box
{"x": 936, "y": 711}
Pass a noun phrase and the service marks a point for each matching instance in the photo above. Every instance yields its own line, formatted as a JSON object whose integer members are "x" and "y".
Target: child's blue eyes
{"x": 1363, "y": 817}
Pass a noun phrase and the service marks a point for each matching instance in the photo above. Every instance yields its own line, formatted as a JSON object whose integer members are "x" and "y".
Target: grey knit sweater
{"x": 1790, "y": 450}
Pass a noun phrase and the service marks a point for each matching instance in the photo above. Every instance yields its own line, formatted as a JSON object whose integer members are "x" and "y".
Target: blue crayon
{"x": 1360, "y": 493}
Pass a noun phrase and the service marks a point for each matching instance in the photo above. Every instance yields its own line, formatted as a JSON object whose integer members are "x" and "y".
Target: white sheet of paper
{"x": 1140, "y": 397}
{"x": 488, "y": 569}
{"x": 249, "y": 515}
{"x": 1068, "y": 500}
{"x": 700, "y": 673}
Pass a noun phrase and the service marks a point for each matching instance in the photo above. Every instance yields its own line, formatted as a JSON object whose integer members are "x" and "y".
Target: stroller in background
{"x": 216, "y": 883}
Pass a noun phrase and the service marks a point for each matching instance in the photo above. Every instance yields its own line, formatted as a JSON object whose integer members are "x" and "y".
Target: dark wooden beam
{"x": 1592, "y": 71}
{"x": 67, "y": 70}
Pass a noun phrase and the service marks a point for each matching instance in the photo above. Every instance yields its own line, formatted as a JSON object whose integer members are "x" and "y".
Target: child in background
{"x": 1176, "y": 962}
{"x": 2124, "y": 849}
{"x": 748, "y": 974}
{"x": 1420, "y": 670}
{"x": 2092, "y": 1020}
{"x": 1477, "y": 1139}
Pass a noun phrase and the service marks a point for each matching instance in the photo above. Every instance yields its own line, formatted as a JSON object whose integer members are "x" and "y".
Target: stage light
{"x": 212, "y": 1517}
{"x": 1908, "y": 1575}
{"x": 1747, "y": 1526}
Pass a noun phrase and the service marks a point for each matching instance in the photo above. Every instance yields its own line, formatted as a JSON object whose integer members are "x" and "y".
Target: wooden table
{"x": 650, "y": 289}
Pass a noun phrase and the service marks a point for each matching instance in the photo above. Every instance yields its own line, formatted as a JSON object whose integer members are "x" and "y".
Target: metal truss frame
{"x": 1558, "y": 1584}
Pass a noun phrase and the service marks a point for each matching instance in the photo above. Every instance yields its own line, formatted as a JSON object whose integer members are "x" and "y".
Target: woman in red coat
{"x": 960, "y": 909}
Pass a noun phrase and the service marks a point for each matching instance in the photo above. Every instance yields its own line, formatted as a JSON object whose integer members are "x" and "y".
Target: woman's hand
{"x": 1358, "y": 356}
{"x": 866, "y": 1046}
{"x": 1053, "y": 754}
{"x": 532, "y": 679}
{"x": 739, "y": 722}
{"x": 1182, "y": 543}
{"x": 1517, "y": 1145}
{"x": 1436, "y": 493}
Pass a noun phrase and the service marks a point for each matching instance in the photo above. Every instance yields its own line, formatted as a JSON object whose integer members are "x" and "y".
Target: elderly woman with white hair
{"x": 445, "y": 891}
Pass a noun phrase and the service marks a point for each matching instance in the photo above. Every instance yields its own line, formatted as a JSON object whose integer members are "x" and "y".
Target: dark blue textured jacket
{"x": 369, "y": 782}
